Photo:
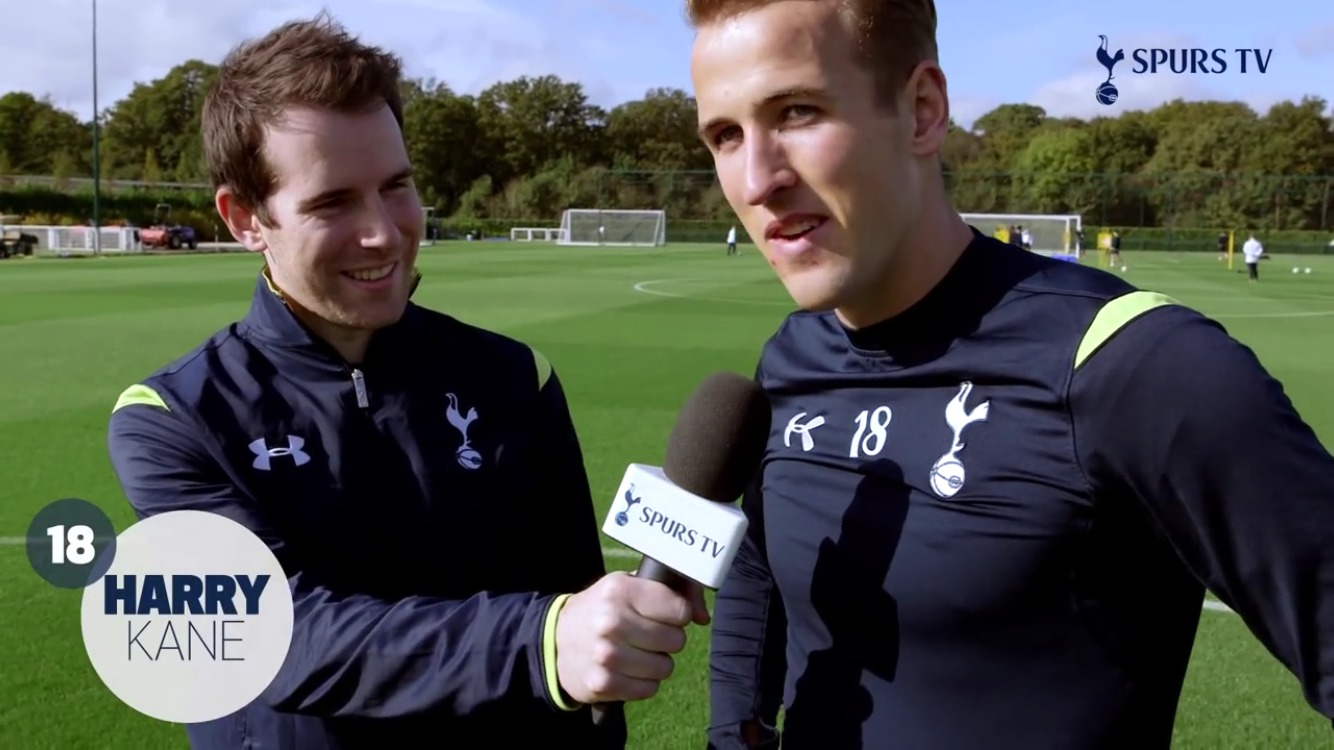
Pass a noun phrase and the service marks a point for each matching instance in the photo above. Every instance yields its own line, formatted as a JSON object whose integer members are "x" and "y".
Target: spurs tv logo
{"x": 947, "y": 475}
{"x": 467, "y": 457}
{"x": 623, "y": 517}
{"x": 1181, "y": 61}
{"x": 264, "y": 455}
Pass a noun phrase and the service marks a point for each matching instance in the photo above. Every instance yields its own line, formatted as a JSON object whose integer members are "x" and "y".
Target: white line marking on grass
{"x": 644, "y": 287}
{"x": 1311, "y": 314}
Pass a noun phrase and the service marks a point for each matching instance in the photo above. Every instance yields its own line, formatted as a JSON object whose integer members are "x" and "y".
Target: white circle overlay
{"x": 190, "y": 667}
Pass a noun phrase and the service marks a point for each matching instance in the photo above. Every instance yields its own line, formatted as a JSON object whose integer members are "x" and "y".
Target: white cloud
{"x": 469, "y": 44}
{"x": 965, "y": 109}
{"x": 1075, "y": 95}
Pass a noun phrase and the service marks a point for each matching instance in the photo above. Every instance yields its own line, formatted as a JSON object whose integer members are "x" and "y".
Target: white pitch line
{"x": 612, "y": 552}
{"x": 644, "y": 287}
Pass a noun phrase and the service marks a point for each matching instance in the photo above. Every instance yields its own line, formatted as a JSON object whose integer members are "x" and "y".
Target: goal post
{"x": 1052, "y": 234}
{"x": 613, "y": 227}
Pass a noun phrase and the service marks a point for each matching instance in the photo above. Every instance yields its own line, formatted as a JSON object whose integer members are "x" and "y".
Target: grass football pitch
{"x": 631, "y": 332}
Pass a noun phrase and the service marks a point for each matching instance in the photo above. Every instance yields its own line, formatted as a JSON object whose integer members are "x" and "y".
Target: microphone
{"x": 681, "y": 516}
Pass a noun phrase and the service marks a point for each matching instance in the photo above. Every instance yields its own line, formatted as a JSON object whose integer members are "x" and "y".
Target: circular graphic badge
{"x": 192, "y": 620}
{"x": 71, "y": 543}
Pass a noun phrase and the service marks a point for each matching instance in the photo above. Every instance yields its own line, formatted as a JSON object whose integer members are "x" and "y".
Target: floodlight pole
{"x": 97, "y": 157}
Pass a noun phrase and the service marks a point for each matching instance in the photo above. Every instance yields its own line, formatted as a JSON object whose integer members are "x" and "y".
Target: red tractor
{"x": 164, "y": 234}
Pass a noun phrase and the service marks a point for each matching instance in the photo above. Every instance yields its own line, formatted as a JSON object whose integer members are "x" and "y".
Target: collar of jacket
{"x": 271, "y": 321}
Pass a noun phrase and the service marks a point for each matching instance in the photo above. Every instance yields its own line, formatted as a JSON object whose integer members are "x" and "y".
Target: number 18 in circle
{"x": 71, "y": 543}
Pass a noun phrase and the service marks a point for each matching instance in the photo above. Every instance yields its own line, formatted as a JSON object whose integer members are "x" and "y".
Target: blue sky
{"x": 992, "y": 52}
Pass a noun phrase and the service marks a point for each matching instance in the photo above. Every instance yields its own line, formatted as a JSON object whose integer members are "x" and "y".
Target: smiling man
{"x": 998, "y": 484}
{"x": 418, "y": 478}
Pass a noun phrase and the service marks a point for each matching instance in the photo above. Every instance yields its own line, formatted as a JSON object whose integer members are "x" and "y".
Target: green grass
{"x": 74, "y": 333}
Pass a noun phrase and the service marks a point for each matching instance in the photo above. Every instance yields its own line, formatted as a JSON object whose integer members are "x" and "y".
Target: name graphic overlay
{"x": 186, "y": 616}
{"x": 693, "y": 536}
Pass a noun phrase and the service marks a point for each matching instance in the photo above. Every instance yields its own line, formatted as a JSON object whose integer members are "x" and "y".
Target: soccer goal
{"x": 615, "y": 227}
{"x": 1052, "y": 234}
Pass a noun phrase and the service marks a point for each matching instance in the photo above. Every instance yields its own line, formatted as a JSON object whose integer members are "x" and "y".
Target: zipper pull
{"x": 359, "y": 382}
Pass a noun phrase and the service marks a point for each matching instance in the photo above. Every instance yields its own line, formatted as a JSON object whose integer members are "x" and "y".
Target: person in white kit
{"x": 731, "y": 240}
{"x": 1253, "y": 251}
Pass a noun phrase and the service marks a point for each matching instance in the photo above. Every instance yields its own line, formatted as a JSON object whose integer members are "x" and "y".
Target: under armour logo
{"x": 264, "y": 455}
{"x": 796, "y": 427}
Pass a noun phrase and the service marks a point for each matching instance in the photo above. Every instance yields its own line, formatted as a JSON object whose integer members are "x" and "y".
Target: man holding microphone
{"x": 419, "y": 479}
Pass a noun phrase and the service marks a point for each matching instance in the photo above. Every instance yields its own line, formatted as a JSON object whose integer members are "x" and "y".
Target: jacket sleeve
{"x": 352, "y": 655}
{"x": 747, "y": 659}
{"x": 571, "y": 516}
{"x": 1174, "y": 412}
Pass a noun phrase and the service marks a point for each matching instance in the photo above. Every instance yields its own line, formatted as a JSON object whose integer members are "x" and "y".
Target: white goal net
{"x": 615, "y": 227}
{"x": 1049, "y": 234}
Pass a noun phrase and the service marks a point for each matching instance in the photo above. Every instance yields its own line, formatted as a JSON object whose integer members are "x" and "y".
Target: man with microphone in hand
{"x": 614, "y": 640}
{"x": 418, "y": 478}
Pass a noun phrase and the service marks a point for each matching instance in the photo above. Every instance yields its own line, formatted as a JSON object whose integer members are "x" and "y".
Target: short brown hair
{"x": 314, "y": 63}
{"x": 892, "y": 36}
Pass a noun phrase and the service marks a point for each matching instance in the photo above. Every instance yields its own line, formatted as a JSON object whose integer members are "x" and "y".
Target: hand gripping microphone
{"x": 681, "y": 517}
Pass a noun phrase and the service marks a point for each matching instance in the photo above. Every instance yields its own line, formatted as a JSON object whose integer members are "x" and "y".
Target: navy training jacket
{"x": 990, "y": 521}
{"x": 430, "y": 507}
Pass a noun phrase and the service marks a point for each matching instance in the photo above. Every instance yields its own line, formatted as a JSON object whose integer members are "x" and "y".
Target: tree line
{"x": 524, "y": 150}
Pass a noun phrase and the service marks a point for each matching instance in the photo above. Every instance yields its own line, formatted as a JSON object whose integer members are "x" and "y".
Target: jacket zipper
{"x": 359, "y": 383}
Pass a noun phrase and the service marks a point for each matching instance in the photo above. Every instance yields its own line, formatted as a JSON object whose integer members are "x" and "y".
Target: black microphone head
{"x": 719, "y": 438}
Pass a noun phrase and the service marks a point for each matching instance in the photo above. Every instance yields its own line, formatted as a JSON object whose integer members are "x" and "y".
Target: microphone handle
{"x": 654, "y": 571}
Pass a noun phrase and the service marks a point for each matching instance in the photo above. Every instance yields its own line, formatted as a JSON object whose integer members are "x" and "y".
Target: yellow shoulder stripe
{"x": 139, "y": 394}
{"x": 543, "y": 369}
{"x": 1114, "y": 316}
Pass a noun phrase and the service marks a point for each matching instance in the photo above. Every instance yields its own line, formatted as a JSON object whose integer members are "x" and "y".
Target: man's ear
{"x": 240, "y": 220}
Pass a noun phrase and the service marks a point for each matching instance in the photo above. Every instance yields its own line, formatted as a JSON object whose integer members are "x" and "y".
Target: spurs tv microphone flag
{"x": 681, "y": 515}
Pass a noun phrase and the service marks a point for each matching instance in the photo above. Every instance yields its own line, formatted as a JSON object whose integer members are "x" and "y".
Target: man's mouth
{"x": 795, "y": 228}
{"x": 371, "y": 274}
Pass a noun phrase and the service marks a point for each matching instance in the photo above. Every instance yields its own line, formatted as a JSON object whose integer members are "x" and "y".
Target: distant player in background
{"x": 1253, "y": 251}
{"x": 1028, "y": 239}
{"x": 1114, "y": 252}
{"x": 731, "y": 240}
{"x": 1222, "y": 245}
{"x": 997, "y": 485}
